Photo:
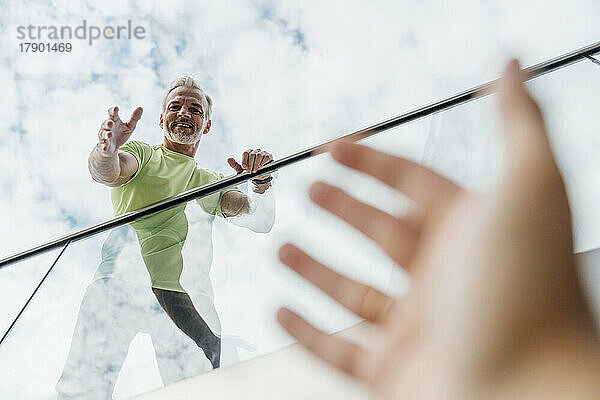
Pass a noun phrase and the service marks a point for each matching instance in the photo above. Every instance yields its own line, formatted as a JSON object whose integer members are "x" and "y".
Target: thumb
{"x": 135, "y": 117}
{"x": 522, "y": 119}
{"x": 235, "y": 165}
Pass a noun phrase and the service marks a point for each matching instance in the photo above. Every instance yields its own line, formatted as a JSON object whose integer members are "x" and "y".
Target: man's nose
{"x": 183, "y": 112}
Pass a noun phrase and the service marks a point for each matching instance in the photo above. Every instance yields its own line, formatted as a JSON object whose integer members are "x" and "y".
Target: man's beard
{"x": 182, "y": 137}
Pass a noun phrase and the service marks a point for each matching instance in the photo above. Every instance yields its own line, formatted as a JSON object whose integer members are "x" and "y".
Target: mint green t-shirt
{"x": 162, "y": 174}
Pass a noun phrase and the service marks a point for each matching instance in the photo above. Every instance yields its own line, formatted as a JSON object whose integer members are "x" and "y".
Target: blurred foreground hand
{"x": 495, "y": 309}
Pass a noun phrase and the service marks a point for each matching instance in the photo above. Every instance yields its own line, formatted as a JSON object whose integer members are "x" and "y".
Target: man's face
{"x": 184, "y": 119}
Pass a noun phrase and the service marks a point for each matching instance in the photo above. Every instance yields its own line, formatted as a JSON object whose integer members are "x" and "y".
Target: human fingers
{"x": 135, "y": 117}
{"x": 258, "y": 160}
{"x": 104, "y": 135}
{"x": 252, "y": 160}
{"x": 103, "y": 140}
{"x": 364, "y": 301}
{"x": 419, "y": 183}
{"x": 107, "y": 125}
{"x": 113, "y": 113}
{"x": 267, "y": 158}
{"x": 235, "y": 165}
{"x": 397, "y": 237}
{"x": 245, "y": 156}
{"x": 346, "y": 356}
{"x": 524, "y": 129}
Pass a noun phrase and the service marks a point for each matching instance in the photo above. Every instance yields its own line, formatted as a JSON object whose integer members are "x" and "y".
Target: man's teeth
{"x": 182, "y": 124}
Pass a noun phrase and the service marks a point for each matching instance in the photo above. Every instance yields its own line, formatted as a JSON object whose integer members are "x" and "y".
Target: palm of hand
{"x": 472, "y": 311}
{"x": 121, "y": 132}
{"x": 490, "y": 272}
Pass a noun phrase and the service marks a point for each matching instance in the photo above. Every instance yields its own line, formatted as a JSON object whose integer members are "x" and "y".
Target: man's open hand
{"x": 495, "y": 309}
{"x": 114, "y": 132}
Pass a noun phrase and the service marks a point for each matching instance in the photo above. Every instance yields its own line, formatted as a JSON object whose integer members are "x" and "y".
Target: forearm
{"x": 255, "y": 211}
{"x": 235, "y": 203}
{"x": 104, "y": 169}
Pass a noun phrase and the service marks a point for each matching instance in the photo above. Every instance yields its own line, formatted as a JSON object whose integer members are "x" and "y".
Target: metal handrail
{"x": 445, "y": 104}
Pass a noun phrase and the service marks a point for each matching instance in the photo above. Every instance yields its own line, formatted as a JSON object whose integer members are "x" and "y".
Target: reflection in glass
{"x": 21, "y": 345}
{"x": 142, "y": 284}
{"x": 463, "y": 144}
{"x": 18, "y": 281}
{"x": 116, "y": 306}
{"x": 466, "y": 143}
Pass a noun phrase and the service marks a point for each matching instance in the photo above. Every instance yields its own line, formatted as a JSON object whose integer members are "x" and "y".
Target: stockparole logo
{"x": 81, "y": 32}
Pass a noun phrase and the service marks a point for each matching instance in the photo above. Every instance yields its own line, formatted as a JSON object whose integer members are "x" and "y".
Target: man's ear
{"x": 207, "y": 127}
{"x": 160, "y": 122}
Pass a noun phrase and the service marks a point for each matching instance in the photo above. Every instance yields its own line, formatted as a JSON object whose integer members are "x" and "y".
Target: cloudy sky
{"x": 284, "y": 76}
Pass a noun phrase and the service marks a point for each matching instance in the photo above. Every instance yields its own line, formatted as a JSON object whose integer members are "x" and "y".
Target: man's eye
{"x": 174, "y": 108}
{"x": 196, "y": 111}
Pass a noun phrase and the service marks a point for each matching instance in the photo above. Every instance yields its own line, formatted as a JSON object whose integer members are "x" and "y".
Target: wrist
{"x": 261, "y": 185}
{"x": 262, "y": 188}
{"x": 262, "y": 181}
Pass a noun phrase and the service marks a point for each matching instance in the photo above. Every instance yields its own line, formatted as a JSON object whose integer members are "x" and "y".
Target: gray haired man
{"x": 139, "y": 175}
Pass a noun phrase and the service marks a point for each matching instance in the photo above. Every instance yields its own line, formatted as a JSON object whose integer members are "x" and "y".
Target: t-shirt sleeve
{"x": 212, "y": 203}
{"x": 142, "y": 153}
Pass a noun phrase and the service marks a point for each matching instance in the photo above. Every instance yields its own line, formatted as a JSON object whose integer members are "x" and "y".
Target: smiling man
{"x": 139, "y": 175}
